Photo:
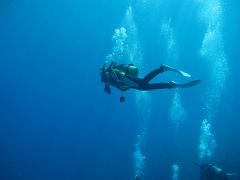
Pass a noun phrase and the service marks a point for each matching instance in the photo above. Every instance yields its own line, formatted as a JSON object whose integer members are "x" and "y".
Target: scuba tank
{"x": 129, "y": 70}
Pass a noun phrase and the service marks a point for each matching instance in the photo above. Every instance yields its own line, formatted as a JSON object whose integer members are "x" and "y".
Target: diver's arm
{"x": 107, "y": 87}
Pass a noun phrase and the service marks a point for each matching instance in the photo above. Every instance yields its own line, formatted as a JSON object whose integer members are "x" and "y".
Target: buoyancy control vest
{"x": 123, "y": 70}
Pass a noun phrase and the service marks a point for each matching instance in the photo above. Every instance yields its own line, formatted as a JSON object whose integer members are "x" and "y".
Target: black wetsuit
{"x": 143, "y": 84}
{"x": 137, "y": 83}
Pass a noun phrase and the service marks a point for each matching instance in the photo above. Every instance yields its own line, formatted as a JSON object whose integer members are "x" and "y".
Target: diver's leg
{"x": 149, "y": 87}
{"x": 151, "y": 75}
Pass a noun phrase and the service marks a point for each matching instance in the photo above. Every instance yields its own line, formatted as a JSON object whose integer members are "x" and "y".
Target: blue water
{"x": 56, "y": 122}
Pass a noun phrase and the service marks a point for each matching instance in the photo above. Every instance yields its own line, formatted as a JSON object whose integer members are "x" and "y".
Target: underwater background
{"x": 56, "y": 122}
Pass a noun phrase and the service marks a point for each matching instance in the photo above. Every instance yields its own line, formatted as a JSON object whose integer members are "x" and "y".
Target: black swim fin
{"x": 168, "y": 68}
{"x": 185, "y": 85}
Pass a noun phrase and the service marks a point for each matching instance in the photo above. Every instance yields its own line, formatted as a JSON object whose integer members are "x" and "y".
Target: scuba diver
{"x": 124, "y": 77}
{"x": 211, "y": 172}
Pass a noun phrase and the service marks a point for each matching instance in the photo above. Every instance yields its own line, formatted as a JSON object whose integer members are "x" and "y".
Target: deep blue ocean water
{"x": 56, "y": 122}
